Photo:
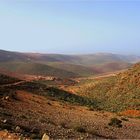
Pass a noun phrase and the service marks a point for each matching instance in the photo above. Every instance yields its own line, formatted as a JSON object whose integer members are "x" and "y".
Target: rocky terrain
{"x": 32, "y": 109}
{"x": 31, "y": 116}
{"x": 114, "y": 93}
{"x": 103, "y": 106}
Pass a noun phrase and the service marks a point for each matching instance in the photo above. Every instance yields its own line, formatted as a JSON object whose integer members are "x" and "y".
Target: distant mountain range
{"x": 85, "y": 59}
{"x": 64, "y": 65}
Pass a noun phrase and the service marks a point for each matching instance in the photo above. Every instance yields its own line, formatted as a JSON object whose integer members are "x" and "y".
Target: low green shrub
{"x": 115, "y": 122}
{"x": 80, "y": 129}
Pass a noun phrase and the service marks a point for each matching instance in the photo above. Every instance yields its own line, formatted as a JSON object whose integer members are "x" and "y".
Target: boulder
{"x": 45, "y": 137}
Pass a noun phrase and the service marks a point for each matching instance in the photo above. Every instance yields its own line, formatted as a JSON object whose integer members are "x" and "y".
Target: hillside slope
{"x": 36, "y": 69}
{"x": 32, "y": 109}
{"x": 78, "y": 69}
{"x": 4, "y": 79}
{"x": 69, "y": 65}
{"x": 91, "y": 70}
{"x": 112, "y": 66}
{"x": 114, "y": 93}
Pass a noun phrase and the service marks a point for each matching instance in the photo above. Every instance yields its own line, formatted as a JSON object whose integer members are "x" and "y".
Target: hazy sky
{"x": 70, "y": 26}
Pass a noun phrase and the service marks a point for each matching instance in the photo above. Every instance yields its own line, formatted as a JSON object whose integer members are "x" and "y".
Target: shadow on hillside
{"x": 43, "y": 90}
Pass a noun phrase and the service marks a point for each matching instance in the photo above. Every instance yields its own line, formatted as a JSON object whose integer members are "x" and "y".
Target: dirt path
{"x": 12, "y": 84}
{"x": 101, "y": 75}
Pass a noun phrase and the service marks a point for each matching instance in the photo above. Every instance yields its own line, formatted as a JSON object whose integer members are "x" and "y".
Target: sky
{"x": 70, "y": 26}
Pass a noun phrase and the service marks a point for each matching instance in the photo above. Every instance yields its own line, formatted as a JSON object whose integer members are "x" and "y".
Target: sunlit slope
{"x": 115, "y": 93}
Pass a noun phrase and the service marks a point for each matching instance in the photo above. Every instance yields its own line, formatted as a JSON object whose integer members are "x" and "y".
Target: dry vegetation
{"x": 30, "y": 109}
{"x": 115, "y": 93}
{"x": 32, "y": 115}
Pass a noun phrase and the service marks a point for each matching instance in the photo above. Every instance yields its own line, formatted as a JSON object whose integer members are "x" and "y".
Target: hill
{"x": 114, "y": 93}
{"x": 18, "y": 56}
{"x": 112, "y": 67}
{"x": 70, "y": 65}
{"x": 36, "y": 69}
{"x": 4, "y": 79}
{"x": 30, "y": 109}
{"x": 78, "y": 69}
{"x": 91, "y": 70}
{"x": 88, "y": 59}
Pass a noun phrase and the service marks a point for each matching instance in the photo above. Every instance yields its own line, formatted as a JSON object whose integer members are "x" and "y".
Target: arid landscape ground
{"x": 105, "y": 105}
{"x": 69, "y": 69}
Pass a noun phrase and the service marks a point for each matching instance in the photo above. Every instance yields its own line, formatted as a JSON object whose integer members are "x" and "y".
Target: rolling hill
{"x": 88, "y": 59}
{"x": 112, "y": 67}
{"x": 64, "y": 65}
{"x": 78, "y": 69}
{"x": 30, "y": 109}
{"x": 113, "y": 93}
{"x": 32, "y": 68}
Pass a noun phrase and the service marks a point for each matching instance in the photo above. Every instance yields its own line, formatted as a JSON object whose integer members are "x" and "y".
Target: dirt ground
{"x": 37, "y": 114}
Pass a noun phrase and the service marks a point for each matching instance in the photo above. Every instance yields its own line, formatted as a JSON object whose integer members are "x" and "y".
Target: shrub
{"x": 35, "y": 136}
{"x": 91, "y": 109}
{"x": 115, "y": 122}
{"x": 62, "y": 124}
{"x": 80, "y": 129}
{"x": 124, "y": 119}
{"x": 5, "y": 126}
